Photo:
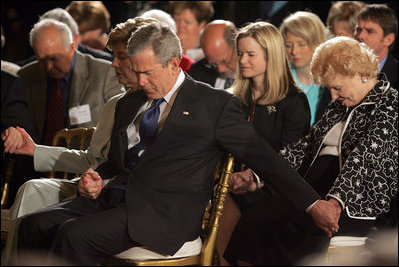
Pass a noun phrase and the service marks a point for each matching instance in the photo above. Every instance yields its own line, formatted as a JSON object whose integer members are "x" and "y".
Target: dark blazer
{"x": 14, "y": 105}
{"x": 200, "y": 72}
{"x": 391, "y": 71}
{"x": 170, "y": 186}
{"x": 284, "y": 122}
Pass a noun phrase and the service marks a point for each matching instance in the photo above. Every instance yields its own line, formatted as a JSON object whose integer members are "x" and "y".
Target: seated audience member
{"x": 144, "y": 155}
{"x": 342, "y": 18}
{"x": 162, "y": 16}
{"x": 39, "y": 193}
{"x": 377, "y": 26}
{"x": 350, "y": 158}
{"x": 67, "y": 89}
{"x": 276, "y": 107}
{"x": 7, "y": 65}
{"x": 94, "y": 22}
{"x": 191, "y": 17}
{"x": 303, "y": 32}
{"x": 14, "y": 111}
{"x": 62, "y": 15}
{"x": 218, "y": 68}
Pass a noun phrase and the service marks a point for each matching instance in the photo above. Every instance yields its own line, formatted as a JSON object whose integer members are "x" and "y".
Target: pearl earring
{"x": 364, "y": 80}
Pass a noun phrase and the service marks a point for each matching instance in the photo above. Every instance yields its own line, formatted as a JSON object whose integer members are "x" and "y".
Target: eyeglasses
{"x": 224, "y": 62}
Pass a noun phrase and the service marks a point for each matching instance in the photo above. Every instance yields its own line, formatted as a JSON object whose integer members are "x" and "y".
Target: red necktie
{"x": 55, "y": 113}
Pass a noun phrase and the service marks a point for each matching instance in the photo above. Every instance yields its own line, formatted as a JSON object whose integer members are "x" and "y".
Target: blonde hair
{"x": 306, "y": 25}
{"x": 345, "y": 11}
{"x": 343, "y": 56}
{"x": 123, "y": 31}
{"x": 278, "y": 74}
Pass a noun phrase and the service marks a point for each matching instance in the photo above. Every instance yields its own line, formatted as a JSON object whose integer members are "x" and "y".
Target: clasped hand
{"x": 242, "y": 182}
{"x": 90, "y": 184}
{"x": 18, "y": 141}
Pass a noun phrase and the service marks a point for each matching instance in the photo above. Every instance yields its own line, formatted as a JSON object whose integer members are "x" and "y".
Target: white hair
{"x": 162, "y": 16}
{"x": 44, "y": 24}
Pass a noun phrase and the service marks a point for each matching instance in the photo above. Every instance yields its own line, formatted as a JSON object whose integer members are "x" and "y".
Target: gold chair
{"x": 77, "y": 138}
{"x": 210, "y": 228}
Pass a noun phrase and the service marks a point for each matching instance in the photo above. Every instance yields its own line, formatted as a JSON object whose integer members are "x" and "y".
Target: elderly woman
{"x": 350, "y": 158}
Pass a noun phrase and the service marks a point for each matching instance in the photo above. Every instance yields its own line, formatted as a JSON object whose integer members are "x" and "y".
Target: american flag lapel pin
{"x": 186, "y": 113}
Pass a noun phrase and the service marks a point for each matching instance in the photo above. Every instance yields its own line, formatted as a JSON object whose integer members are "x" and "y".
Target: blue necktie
{"x": 148, "y": 126}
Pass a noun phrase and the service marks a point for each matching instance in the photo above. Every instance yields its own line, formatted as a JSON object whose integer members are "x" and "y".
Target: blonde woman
{"x": 276, "y": 107}
{"x": 303, "y": 32}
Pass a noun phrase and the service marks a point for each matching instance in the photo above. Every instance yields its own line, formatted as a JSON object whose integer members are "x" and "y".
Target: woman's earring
{"x": 364, "y": 80}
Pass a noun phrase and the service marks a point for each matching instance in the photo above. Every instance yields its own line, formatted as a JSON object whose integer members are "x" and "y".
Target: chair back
{"x": 76, "y": 138}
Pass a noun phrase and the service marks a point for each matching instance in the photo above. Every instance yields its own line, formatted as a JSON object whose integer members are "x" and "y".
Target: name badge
{"x": 79, "y": 114}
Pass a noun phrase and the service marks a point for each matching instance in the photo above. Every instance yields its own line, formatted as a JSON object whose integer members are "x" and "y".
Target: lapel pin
{"x": 186, "y": 113}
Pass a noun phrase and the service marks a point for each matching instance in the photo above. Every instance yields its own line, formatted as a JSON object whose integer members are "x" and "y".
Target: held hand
{"x": 12, "y": 139}
{"x": 91, "y": 184}
{"x": 242, "y": 182}
{"x": 325, "y": 215}
{"x": 18, "y": 141}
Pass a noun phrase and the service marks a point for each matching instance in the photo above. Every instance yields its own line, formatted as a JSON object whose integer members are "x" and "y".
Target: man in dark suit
{"x": 14, "y": 112}
{"x": 377, "y": 27}
{"x": 218, "y": 67}
{"x": 162, "y": 183}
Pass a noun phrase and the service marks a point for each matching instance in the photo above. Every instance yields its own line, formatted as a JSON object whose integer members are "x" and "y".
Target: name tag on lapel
{"x": 79, "y": 114}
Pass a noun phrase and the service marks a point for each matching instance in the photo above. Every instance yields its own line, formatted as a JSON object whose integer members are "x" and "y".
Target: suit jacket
{"x": 171, "y": 184}
{"x": 49, "y": 158}
{"x": 93, "y": 82}
{"x": 14, "y": 107}
{"x": 391, "y": 71}
{"x": 200, "y": 72}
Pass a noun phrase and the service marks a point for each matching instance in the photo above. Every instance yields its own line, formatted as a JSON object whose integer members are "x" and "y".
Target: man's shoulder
{"x": 90, "y": 60}
{"x": 31, "y": 71}
{"x": 96, "y": 53}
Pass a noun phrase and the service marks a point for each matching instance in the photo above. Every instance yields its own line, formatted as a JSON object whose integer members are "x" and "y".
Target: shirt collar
{"x": 67, "y": 77}
{"x": 179, "y": 81}
{"x": 382, "y": 62}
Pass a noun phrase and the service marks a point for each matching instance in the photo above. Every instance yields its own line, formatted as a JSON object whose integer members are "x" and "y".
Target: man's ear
{"x": 174, "y": 64}
{"x": 389, "y": 39}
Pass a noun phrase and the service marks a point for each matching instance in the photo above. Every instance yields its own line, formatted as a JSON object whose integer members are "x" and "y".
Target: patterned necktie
{"x": 55, "y": 114}
{"x": 148, "y": 126}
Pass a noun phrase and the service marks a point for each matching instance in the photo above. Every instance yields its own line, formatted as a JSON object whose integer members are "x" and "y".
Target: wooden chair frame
{"x": 68, "y": 136}
{"x": 210, "y": 227}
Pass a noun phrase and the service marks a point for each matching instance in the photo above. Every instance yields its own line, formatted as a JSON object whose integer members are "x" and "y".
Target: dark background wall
{"x": 18, "y": 17}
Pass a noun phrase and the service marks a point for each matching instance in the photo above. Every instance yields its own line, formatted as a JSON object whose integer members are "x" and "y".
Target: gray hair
{"x": 161, "y": 16}
{"x": 62, "y": 15}
{"x": 160, "y": 37}
{"x": 45, "y": 24}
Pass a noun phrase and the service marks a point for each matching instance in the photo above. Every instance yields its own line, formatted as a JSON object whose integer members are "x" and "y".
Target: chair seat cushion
{"x": 345, "y": 241}
{"x": 190, "y": 248}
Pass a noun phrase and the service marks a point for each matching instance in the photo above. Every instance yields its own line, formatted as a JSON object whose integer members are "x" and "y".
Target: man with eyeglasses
{"x": 67, "y": 89}
{"x": 219, "y": 65}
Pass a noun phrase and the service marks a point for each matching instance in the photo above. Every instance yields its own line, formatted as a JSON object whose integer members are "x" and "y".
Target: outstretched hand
{"x": 18, "y": 141}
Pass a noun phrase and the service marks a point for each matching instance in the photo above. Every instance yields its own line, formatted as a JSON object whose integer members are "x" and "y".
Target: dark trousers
{"x": 271, "y": 232}
{"x": 82, "y": 231}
